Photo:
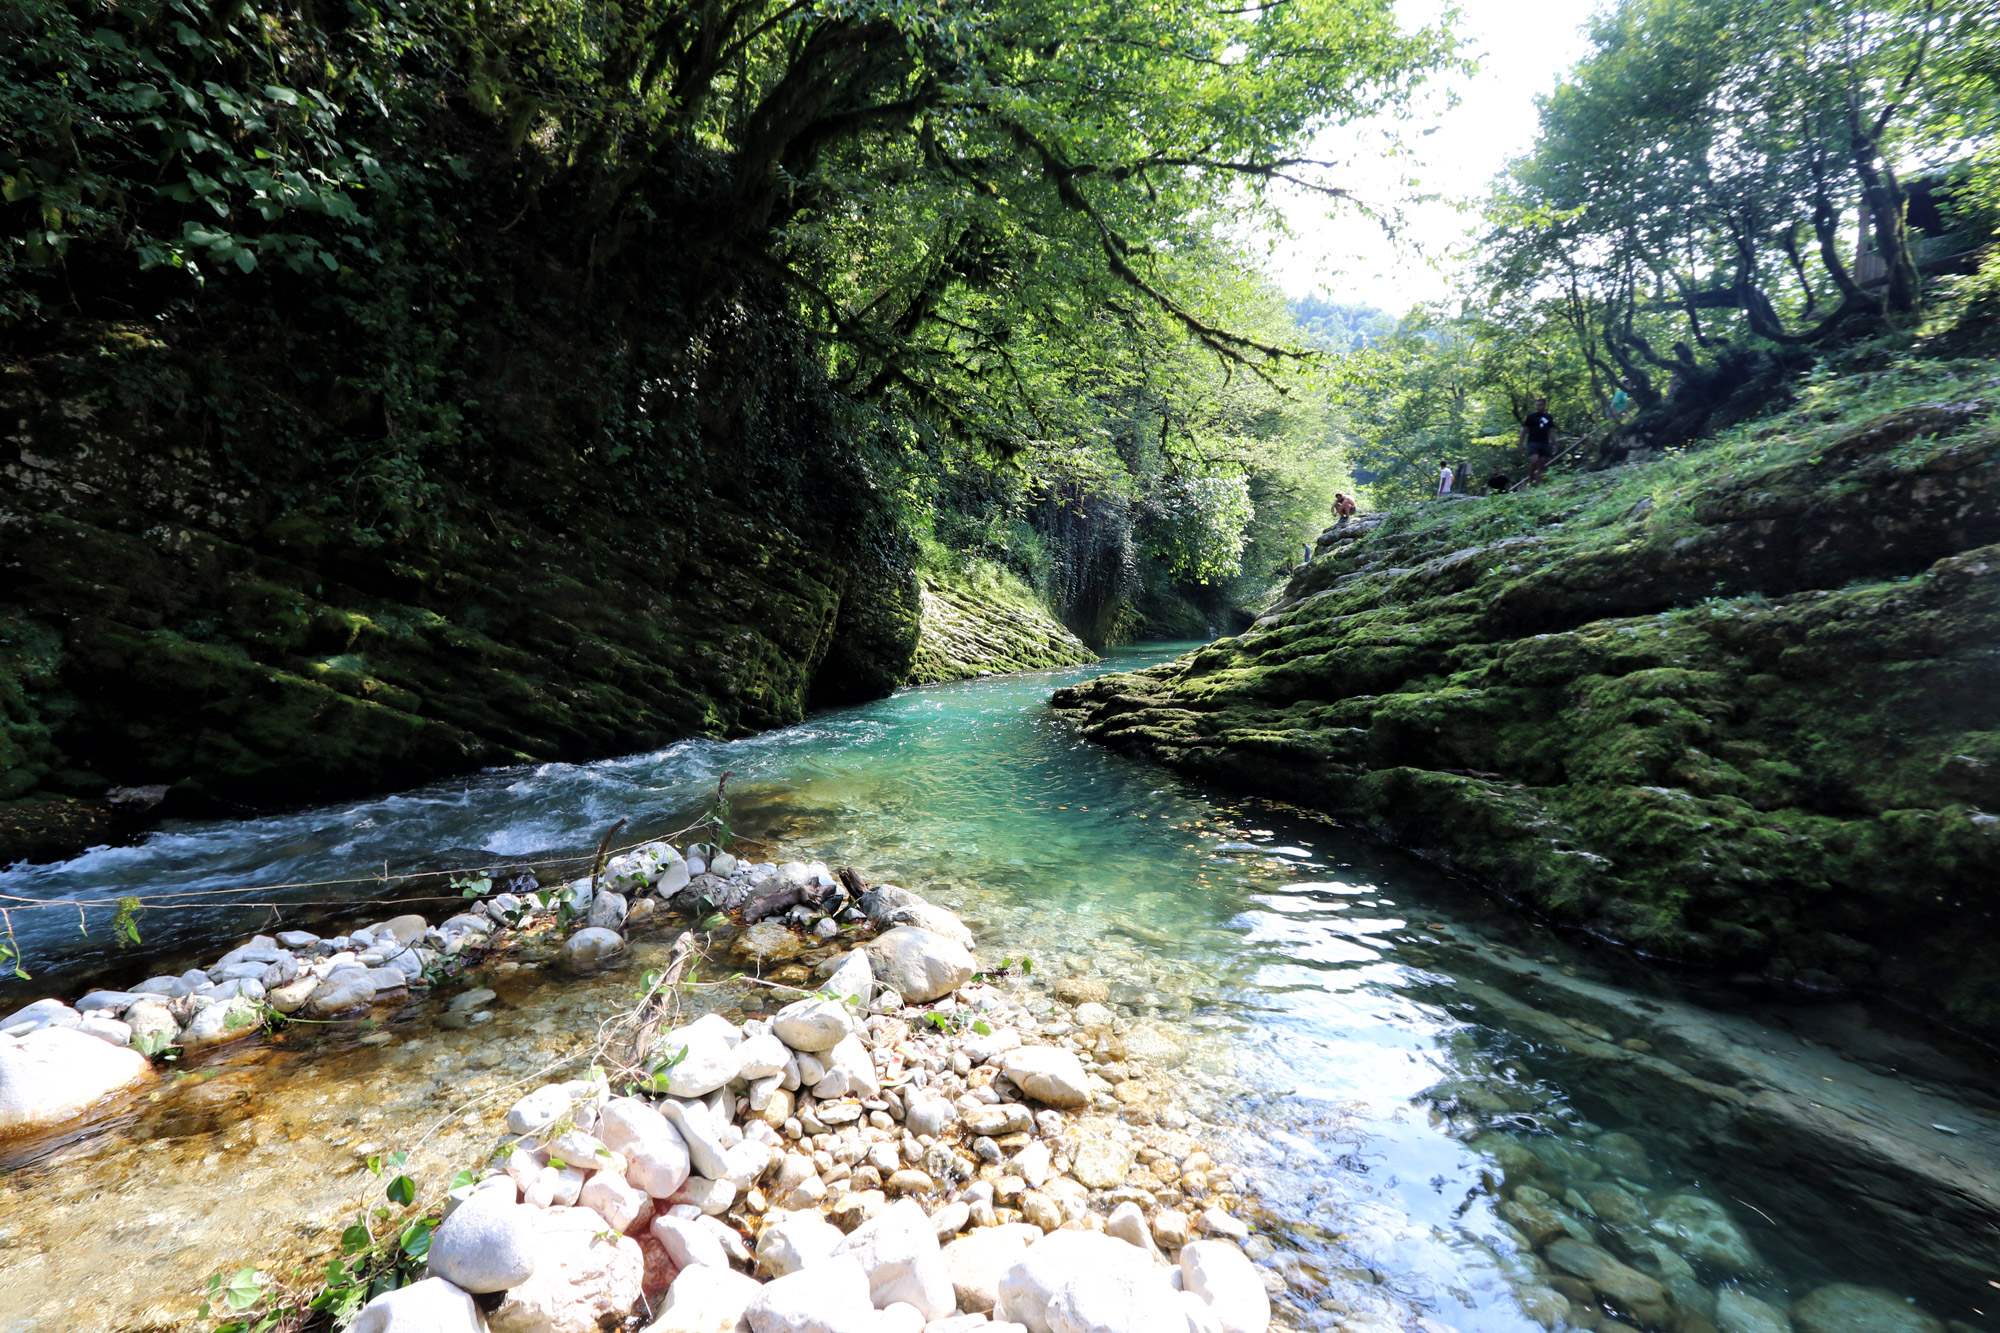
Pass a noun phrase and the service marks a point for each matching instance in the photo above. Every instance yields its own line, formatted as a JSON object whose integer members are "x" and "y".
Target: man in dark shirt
{"x": 1538, "y": 436}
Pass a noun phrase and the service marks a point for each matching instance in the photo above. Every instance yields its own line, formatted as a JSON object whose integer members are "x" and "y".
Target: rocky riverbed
{"x": 1052, "y": 1104}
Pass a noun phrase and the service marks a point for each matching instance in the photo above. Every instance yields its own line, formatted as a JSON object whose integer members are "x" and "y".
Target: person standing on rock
{"x": 1538, "y": 437}
{"x": 1444, "y": 479}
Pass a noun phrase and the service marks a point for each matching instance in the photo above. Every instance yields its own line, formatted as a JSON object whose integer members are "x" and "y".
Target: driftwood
{"x": 659, "y": 1002}
{"x": 772, "y": 901}
{"x": 851, "y": 879}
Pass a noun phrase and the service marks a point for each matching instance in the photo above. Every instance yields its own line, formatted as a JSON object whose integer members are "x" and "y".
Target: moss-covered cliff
{"x": 240, "y": 567}
{"x": 988, "y": 626}
{"x": 1740, "y": 706}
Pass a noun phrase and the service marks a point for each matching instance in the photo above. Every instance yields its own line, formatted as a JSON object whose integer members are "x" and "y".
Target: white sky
{"x": 1522, "y": 49}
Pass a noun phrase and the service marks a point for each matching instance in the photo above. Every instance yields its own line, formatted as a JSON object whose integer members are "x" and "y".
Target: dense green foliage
{"x": 1692, "y": 195}
{"x": 1720, "y": 191}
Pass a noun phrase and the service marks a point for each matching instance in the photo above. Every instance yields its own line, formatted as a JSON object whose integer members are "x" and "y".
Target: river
{"x": 1385, "y": 1046}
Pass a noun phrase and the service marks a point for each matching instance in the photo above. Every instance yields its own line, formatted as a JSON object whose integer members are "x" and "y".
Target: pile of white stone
{"x": 54, "y": 1065}
{"x": 889, "y": 1155}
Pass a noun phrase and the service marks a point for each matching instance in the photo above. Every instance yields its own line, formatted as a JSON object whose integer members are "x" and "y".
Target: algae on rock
{"x": 1740, "y": 708}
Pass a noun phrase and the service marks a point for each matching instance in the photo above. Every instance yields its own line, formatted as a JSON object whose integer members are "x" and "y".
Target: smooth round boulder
{"x": 920, "y": 965}
{"x": 811, "y": 1025}
{"x": 830, "y": 1297}
{"x": 55, "y": 1074}
{"x": 341, "y": 991}
{"x": 1048, "y": 1074}
{"x": 1221, "y": 1274}
{"x": 591, "y": 947}
{"x": 487, "y": 1244}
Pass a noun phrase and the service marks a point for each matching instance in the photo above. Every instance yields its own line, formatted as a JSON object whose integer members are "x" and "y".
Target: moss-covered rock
{"x": 1741, "y": 707}
{"x": 973, "y": 628}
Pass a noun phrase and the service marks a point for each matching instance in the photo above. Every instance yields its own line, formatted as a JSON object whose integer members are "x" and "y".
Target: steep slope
{"x": 1740, "y": 707}
{"x": 968, "y": 630}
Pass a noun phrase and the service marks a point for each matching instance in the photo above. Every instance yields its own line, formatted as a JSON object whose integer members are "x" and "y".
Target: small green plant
{"x": 945, "y": 1023}
{"x": 125, "y": 922}
{"x": 659, "y": 1071}
{"x": 472, "y": 886}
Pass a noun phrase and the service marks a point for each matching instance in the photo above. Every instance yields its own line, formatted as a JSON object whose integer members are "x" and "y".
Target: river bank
{"x": 1733, "y": 707}
{"x": 1279, "y": 977}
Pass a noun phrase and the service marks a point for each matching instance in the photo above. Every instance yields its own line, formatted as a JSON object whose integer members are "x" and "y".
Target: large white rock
{"x": 853, "y": 980}
{"x": 976, "y": 1260}
{"x": 430, "y": 1306}
{"x": 1223, "y": 1275}
{"x": 797, "y": 1240}
{"x": 706, "y": 1300}
{"x": 608, "y": 910}
{"x": 701, "y": 1135}
{"x": 829, "y": 1297}
{"x": 487, "y": 1244}
{"x": 937, "y": 920}
{"x": 688, "y": 1243}
{"x": 591, "y": 947}
{"x": 927, "y": 1113}
{"x": 227, "y": 1020}
{"x": 1131, "y": 1299}
{"x": 812, "y": 1025}
{"x": 1056, "y": 1261}
{"x": 746, "y": 1161}
{"x": 1048, "y": 1074}
{"x": 621, "y": 1204}
{"x": 340, "y": 991}
{"x": 656, "y": 1157}
{"x": 55, "y": 1074}
{"x": 761, "y": 1056}
{"x": 1128, "y": 1223}
{"x": 583, "y": 1279}
{"x": 539, "y": 1109}
{"x": 710, "y": 1060}
{"x": 980, "y": 1049}
{"x": 920, "y": 965}
{"x": 898, "y": 1249}
{"x": 850, "y": 1072}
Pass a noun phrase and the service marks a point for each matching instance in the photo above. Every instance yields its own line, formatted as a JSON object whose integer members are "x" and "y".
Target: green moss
{"x": 1738, "y": 706}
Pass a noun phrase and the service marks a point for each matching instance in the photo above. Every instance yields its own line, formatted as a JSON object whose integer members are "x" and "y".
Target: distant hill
{"x": 1342, "y": 325}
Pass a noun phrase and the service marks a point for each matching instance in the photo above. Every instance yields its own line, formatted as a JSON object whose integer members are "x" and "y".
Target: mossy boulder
{"x": 1741, "y": 708}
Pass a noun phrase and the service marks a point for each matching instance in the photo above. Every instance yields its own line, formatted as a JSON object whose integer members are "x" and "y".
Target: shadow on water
{"x": 1429, "y": 1097}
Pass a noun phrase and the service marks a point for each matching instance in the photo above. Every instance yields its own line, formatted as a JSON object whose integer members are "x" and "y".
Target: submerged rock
{"x": 1845, "y": 1308}
{"x": 55, "y": 1074}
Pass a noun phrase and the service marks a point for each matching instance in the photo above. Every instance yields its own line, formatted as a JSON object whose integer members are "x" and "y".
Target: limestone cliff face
{"x": 1741, "y": 708}
{"x": 969, "y": 633}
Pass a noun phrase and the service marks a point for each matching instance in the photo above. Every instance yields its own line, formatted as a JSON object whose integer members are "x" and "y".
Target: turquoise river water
{"x": 1398, "y": 1064}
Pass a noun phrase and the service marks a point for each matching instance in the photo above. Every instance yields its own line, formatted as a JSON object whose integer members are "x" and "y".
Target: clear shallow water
{"x": 1388, "y": 1050}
